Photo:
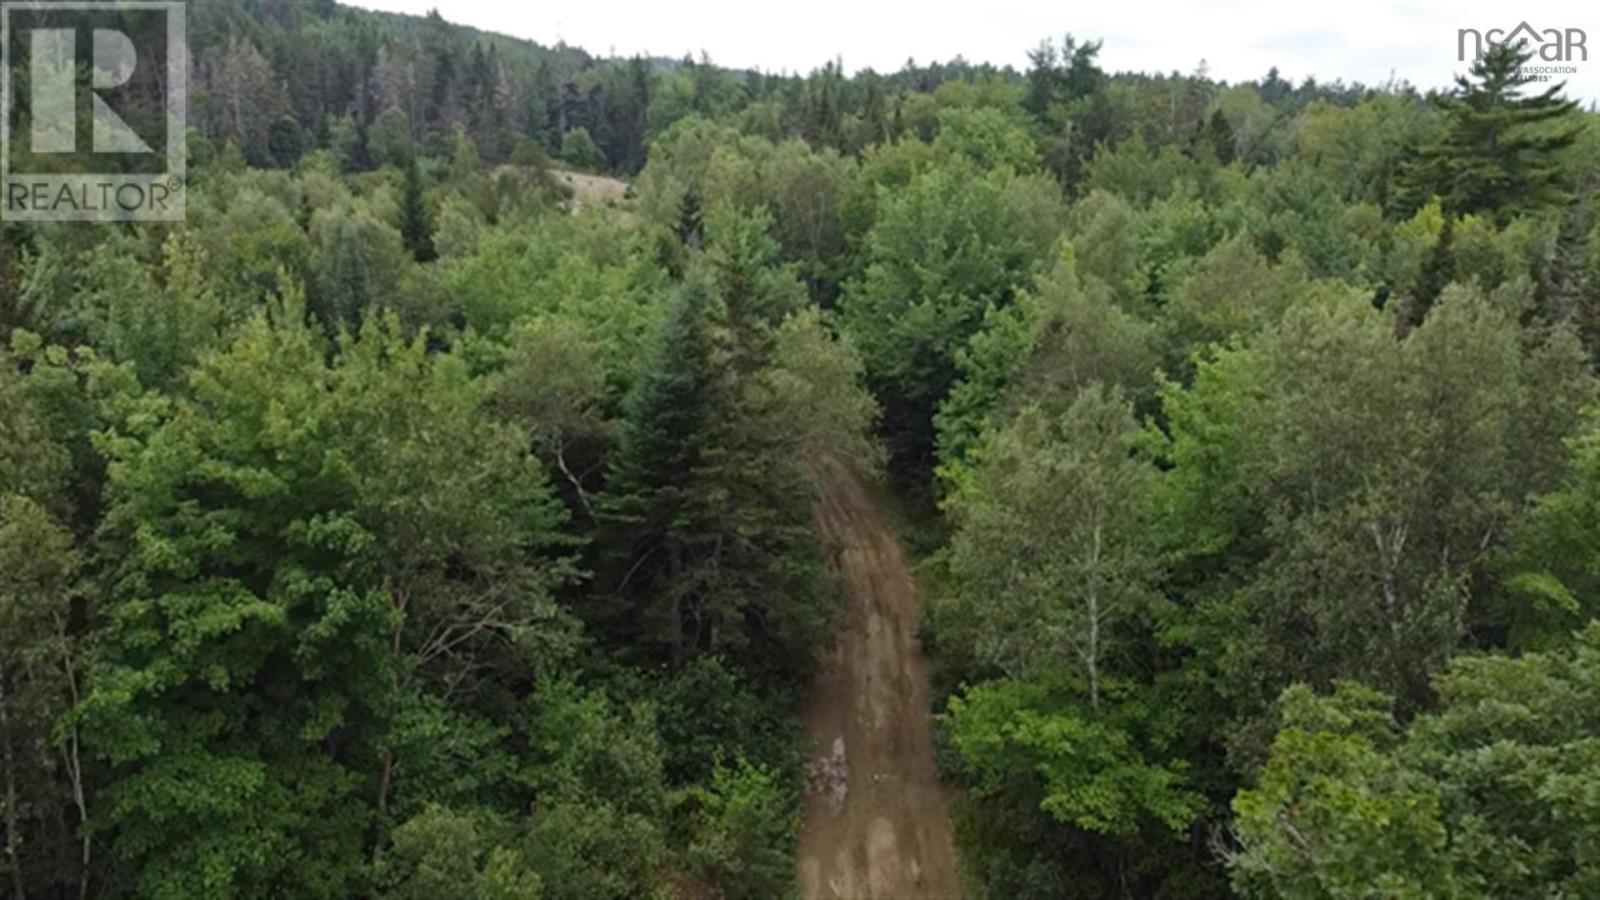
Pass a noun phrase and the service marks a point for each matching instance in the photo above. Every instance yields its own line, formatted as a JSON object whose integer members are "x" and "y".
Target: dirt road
{"x": 876, "y": 817}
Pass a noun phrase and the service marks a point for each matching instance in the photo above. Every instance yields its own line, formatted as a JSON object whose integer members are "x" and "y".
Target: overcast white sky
{"x": 1360, "y": 40}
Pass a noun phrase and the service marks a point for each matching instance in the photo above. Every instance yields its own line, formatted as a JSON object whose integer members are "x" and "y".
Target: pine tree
{"x": 1044, "y": 83}
{"x": 1438, "y": 270}
{"x": 1221, "y": 137}
{"x": 874, "y": 124}
{"x": 636, "y": 108}
{"x": 1501, "y": 153}
{"x": 707, "y": 512}
{"x": 660, "y": 446}
{"x": 416, "y": 225}
{"x": 540, "y": 104}
{"x": 690, "y": 214}
{"x": 1563, "y": 284}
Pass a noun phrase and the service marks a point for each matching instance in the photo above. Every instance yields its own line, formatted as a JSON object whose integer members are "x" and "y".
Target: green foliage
{"x": 253, "y": 244}
{"x": 1139, "y": 174}
{"x": 554, "y": 388}
{"x": 745, "y": 833}
{"x": 1335, "y": 815}
{"x": 1363, "y": 148}
{"x": 357, "y": 262}
{"x": 585, "y": 746}
{"x": 578, "y": 150}
{"x": 818, "y": 380}
{"x": 441, "y": 853}
{"x": 1501, "y": 152}
{"x": 574, "y": 267}
{"x": 944, "y": 249}
{"x": 488, "y": 568}
{"x": 389, "y": 139}
{"x": 1051, "y": 556}
{"x": 709, "y": 715}
{"x": 32, "y": 465}
{"x": 1058, "y": 339}
{"x": 40, "y": 675}
{"x": 598, "y": 769}
{"x": 284, "y": 532}
{"x": 1309, "y": 464}
{"x": 1231, "y": 292}
{"x": 1089, "y": 759}
{"x": 707, "y": 495}
{"x": 1105, "y": 232}
{"x": 285, "y": 142}
{"x": 757, "y": 294}
{"x": 583, "y": 851}
{"x": 158, "y": 318}
{"x": 985, "y": 137}
{"x": 1067, "y": 95}
{"x": 695, "y": 165}
{"x": 1482, "y": 797}
{"x": 1552, "y": 576}
{"x": 416, "y": 225}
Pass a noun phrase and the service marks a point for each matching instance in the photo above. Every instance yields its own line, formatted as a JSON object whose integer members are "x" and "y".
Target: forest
{"x": 410, "y": 523}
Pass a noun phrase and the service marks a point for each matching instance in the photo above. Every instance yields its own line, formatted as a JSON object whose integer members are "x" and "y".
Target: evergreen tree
{"x": 416, "y": 225}
{"x": 1045, "y": 82}
{"x": 1501, "y": 151}
{"x": 1219, "y": 134}
{"x": 1438, "y": 270}
{"x": 661, "y": 444}
{"x": 690, "y": 214}
{"x": 285, "y": 142}
{"x": 1568, "y": 283}
{"x": 707, "y": 508}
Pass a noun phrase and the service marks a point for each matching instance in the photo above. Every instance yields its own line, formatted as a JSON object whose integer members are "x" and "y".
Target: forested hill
{"x": 279, "y": 78}
{"x": 394, "y": 526}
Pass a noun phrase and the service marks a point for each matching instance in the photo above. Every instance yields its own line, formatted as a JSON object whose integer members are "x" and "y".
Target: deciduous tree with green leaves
{"x": 302, "y": 553}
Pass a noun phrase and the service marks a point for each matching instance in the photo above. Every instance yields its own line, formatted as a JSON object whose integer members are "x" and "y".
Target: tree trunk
{"x": 385, "y": 778}
{"x": 75, "y": 769}
{"x": 1093, "y": 656}
{"x": 674, "y": 566}
{"x": 7, "y": 761}
{"x": 401, "y": 597}
{"x": 577, "y": 483}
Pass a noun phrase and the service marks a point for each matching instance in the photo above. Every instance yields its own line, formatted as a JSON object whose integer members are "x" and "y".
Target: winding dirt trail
{"x": 877, "y": 823}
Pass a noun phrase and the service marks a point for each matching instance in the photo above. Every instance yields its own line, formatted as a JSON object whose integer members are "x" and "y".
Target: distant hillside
{"x": 279, "y": 77}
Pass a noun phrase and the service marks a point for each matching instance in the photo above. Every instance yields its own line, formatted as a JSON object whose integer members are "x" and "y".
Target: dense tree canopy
{"x": 424, "y": 518}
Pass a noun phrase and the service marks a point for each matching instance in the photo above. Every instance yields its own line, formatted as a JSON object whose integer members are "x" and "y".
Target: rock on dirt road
{"x": 877, "y": 822}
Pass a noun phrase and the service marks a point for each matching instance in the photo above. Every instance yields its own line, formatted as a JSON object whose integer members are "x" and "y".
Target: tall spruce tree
{"x": 1501, "y": 152}
{"x": 416, "y": 226}
{"x": 659, "y": 448}
{"x": 707, "y": 509}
